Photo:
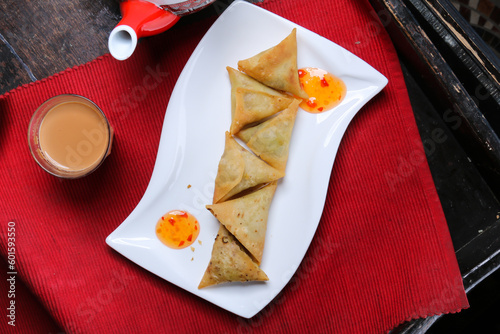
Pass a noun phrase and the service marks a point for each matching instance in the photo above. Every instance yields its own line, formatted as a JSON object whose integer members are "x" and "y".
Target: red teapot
{"x": 143, "y": 18}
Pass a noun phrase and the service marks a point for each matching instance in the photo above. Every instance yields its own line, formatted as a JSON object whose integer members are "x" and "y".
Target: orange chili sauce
{"x": 177, "y": 229}
{"x": 324, "y": 89}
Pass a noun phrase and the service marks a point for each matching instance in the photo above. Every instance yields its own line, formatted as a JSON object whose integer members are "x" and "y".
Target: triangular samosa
{"x": 246, "y": 218}
{"x": 252, "y": 101}
{"x": 270, "y": 140}
{"x": 252, "y": 106}
{"x": 230, "y": 262}
{"x": 239, "y": 170}
{"x": 277, "y": 67}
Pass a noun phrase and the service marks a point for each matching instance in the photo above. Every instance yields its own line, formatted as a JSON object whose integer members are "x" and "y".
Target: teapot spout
{"x": 139, "y": 19}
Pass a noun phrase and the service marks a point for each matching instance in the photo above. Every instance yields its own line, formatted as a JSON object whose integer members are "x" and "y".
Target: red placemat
{"x": 382, "y": 253}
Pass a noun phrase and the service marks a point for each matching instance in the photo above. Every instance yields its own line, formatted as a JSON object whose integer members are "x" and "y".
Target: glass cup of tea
{"x": 69, "y": 136}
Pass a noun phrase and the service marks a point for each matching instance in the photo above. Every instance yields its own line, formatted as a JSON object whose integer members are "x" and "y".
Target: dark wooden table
{"x": 41, "y": 38}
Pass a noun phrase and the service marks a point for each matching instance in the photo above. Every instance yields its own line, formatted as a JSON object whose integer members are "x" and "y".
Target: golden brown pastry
{"x": 239, "y": 170}
{"x": 230, "y": 262}
{"x": 252, "y": 106}
{"x": 270, "y": 140}
{"x": 252, "y": 101}
{"x": 246, "y": 218}
{"x": 277, "y": 67}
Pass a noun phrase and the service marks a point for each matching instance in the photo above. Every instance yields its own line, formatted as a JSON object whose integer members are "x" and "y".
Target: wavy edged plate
{"x": 192, "y": 142}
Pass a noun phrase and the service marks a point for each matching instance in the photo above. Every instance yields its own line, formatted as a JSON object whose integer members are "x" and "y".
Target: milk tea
{"x": 74, "y": 136}
{"x": 69, "y": 136}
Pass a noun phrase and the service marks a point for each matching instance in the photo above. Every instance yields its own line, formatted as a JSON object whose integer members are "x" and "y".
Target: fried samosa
{"x": 246, "y": 218}
{"x": 270, "y": 140}
{"x": 252, "y": 106}
{"x": 230, "y": 262}
{"x": 251, "y": 101}
{"x": 239, "y": 170}
{"x": 276, "y": 67}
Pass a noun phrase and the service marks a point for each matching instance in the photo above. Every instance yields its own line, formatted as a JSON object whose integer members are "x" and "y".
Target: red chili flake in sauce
{"x": 324, "y": 83}
{"x": 190, "y": 237}
{"x": 171, "y": 221}
{"x": 302, "y": 73}
{"x": 320, "y": 109}
{"x": 181, "y": 243}
{"x": 311, "y": 103}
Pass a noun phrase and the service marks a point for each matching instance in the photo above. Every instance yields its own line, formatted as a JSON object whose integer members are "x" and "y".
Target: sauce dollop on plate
{"x": 177, "y": 229}
{"x": 324, "y": 89}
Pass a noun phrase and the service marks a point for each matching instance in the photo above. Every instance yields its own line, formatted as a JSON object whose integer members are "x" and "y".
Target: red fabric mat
{"x": 382, "y": 253}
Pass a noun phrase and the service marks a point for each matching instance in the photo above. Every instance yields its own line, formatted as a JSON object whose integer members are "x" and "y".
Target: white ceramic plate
{"x": 192, "y": 143}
